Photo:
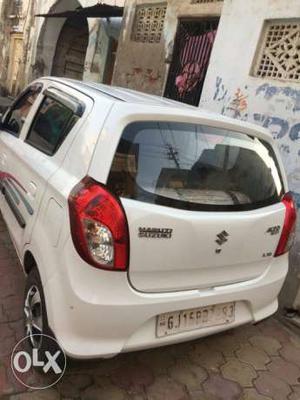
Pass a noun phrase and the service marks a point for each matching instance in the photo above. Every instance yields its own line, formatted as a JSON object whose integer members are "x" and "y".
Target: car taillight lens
{"x": 99, "y": 226}
{"x": 289, "y": 228}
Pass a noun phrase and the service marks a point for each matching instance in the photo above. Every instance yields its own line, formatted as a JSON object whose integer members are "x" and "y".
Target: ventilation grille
{"x": 278, "y": 55}
{"x": 149, "y": 23}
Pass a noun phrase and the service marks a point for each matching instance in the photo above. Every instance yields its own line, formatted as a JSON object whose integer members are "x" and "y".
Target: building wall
{"x": 144, "y": 66}
{"x": 231, "y": 90}
{"x": 10, "y": 56}
{"x": 99, "y": 47}
{"x": 46, "y": 32}
{"x": 275, "y": 104}
{"x": 40, "y": 37}
{"x": 4, "y": 35}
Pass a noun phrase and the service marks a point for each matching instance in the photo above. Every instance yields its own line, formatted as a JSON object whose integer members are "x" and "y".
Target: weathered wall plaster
{"x": 144, "y": 66}
{"x": 5, "y": 29}
{"x": 41, "y": 35}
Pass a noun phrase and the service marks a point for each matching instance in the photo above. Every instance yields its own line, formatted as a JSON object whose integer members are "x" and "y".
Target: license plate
{"x": 196, "y": 318}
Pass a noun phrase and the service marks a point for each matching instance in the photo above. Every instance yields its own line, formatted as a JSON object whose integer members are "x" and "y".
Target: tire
{"x": 36, "y": 321}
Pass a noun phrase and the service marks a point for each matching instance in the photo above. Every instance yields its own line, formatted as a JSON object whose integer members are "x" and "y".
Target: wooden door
{"x": 71, "y": 49}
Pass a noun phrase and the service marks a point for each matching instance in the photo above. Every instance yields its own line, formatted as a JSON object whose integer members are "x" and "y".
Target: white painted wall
{"x": 272, "y": 103}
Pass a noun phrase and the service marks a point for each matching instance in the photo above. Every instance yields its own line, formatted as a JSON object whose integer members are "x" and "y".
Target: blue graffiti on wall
{"x": 221, "y": 92}
{"x": 281, "y": 123}
{"x": 269, "y": 92}
{"x": 279, "y": 126}
{"x": 273, "y": 122}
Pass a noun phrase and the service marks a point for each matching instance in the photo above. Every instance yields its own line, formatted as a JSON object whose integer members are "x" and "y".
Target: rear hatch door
{"x": 202, "y": 203}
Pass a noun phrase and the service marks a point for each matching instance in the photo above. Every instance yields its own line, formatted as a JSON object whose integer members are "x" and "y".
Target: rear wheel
{"x": 33, "y": 311}
{"x": 37, "y": 330}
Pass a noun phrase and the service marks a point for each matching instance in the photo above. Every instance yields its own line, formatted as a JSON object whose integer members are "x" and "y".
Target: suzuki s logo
{"x": 221, "y": 239}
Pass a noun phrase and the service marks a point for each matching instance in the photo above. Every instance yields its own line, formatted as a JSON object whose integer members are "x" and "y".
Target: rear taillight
{"x": 289, "y": 228}
{"x": 99, "y": 226}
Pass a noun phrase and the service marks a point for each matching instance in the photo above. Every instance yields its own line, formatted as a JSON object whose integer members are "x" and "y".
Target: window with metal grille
{"x": 149, "y": 23}
{"x": 205, "y": 1}
{"x": 278, "y": 55}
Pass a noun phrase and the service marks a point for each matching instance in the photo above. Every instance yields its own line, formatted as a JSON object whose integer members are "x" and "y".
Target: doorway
{"x": 192, "y": 50}
{"x": 71, "y": 49}
{"x": 110, "y": 61}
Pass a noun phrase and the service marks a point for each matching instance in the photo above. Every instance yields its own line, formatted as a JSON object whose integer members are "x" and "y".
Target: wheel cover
{"x": 33, "y": 316}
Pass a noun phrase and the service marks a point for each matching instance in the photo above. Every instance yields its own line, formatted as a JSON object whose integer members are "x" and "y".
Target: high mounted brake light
{"x": 99, "y": 226}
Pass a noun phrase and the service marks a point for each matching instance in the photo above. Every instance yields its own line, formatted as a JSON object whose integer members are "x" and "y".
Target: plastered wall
{"x": 144, "y": 66}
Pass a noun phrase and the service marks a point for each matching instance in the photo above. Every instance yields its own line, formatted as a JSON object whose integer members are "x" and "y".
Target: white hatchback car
{"x": 139, "y": 221}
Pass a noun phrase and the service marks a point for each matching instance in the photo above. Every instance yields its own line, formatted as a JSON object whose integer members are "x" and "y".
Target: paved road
{"x": 250, "y": 363}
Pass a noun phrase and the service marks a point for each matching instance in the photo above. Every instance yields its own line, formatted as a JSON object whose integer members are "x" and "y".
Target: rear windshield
{"x": 194, "y": 167}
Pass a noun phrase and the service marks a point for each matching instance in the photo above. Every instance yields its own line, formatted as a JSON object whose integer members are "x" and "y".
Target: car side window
{"x": 51, "y": 125}
{"x": 16, "y": 117}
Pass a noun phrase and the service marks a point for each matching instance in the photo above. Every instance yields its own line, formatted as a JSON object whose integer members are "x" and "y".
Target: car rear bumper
{"x": 95, "y": 313}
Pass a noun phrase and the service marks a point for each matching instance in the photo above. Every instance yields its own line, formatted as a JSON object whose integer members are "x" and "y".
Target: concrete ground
{"x": 249, "y": 363}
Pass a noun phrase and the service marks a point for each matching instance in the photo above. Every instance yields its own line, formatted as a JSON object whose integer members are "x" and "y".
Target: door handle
{"x": 32, "y": 189}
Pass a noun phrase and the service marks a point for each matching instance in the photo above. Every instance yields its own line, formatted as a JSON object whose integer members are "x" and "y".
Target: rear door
{"x": 15, "y": 122}
{"x": 203, "y": 204}
{"x": 34, "y": 157}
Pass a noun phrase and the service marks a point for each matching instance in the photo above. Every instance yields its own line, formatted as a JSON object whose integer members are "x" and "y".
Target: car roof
{"x": 118, "y": 94}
